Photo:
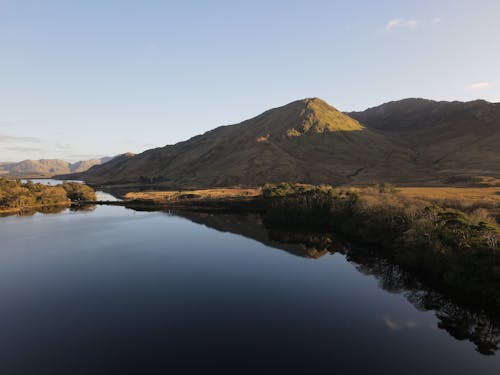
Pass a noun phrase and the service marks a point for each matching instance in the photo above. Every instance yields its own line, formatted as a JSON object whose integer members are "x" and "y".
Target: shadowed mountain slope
{"x": 305, "y": 141}
{"x": 451, "y": 139}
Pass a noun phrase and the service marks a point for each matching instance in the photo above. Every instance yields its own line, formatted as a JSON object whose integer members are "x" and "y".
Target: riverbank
{"x": 452, "y": 242}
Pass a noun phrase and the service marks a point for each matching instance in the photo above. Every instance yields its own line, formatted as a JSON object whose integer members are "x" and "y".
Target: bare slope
{"x": 304, "y": 141}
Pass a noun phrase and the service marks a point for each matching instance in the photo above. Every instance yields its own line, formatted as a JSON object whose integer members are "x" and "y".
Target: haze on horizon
{"x": 85, "y": 79}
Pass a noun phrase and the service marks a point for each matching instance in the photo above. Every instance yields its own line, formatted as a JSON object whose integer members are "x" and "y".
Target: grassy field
{"x": 166, "y": 196}
{"x": 489, "y": 195}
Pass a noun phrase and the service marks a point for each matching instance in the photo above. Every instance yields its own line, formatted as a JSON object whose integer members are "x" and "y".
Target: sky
{"x": 88, "y": 78}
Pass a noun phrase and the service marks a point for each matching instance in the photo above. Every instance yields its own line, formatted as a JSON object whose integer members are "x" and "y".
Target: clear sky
{"x": 86, "y": 78}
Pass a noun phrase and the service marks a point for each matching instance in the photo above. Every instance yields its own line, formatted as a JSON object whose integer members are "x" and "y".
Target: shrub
{"x": 77, "y": 192}
{"x": 16, "y": 195}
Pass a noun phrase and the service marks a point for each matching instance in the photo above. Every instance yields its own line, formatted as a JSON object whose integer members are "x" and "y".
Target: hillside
{"x": 306, "y": 140}
{"x": 47, "y": 167}
{"x": 456, "y": 141}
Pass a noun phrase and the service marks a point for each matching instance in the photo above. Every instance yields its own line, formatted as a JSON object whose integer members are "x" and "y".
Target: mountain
{"x": 453, "y": 141}
{"x": 82, "y": 166}
{"x": 306, "y": 140}
{"x": 114, "y": 164}
{"x": 47, "y": 167}
{"x": 407, "y": 142}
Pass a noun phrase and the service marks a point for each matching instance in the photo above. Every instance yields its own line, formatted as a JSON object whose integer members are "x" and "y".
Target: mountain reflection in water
{"x": 461, "y": 322}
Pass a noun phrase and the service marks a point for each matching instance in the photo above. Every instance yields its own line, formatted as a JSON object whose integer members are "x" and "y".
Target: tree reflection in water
{"x": 462, "y": 322}
{"x": 46, "y": 210}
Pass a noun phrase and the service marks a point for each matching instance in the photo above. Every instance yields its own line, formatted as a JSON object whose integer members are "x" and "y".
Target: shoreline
{"x": 40, "y": 206}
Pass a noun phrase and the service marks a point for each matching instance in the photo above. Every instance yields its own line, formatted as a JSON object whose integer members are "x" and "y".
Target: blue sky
{"x": 80, "y": 79}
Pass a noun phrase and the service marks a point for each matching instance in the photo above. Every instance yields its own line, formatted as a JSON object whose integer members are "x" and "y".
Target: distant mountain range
{"x": 47, "y": 167}
{"x": 412, "y": 141}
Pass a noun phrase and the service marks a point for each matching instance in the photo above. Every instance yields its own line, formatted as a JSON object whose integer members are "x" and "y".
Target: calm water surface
{"x": 118, "y": 291}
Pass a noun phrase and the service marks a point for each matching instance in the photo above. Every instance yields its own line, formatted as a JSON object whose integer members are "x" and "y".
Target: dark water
{"x": 118, "y": 291}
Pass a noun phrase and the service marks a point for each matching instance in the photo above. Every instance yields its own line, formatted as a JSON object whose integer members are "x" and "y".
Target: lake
{"x": 113, "y": 290}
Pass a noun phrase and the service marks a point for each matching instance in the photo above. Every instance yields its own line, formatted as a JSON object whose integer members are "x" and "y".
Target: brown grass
{"x": 486, "y": 194}
{"x": 166, "y": 196}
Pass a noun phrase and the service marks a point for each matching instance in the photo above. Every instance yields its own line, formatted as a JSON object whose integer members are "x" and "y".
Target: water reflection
{"x": 83, "y": 208}
{"x": 47, "y": 210}
{"x": 462, "y": 322}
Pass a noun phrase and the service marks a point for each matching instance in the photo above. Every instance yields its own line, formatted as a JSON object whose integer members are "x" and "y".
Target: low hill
{"x": 306, "y": 140}
{"x": 47, "y": 167}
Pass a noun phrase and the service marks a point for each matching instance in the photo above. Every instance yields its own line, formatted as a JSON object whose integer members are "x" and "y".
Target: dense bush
{"x": 16, "y": 195}
{"x": 13, "y": 194}
{"x": 303, "y": 204}
{"x": 77, "y": 192}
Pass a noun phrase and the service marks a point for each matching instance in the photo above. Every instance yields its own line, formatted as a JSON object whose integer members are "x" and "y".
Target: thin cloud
{"x": 480, "y": 85}
{"x": 407, "y": 23}
{"x": 26, "y": 149}
{"x": 4, "y": 124}
{"x": 402, "y": 23}
{"x": 62, "y": 146}
{"x": 4, "y": 138}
